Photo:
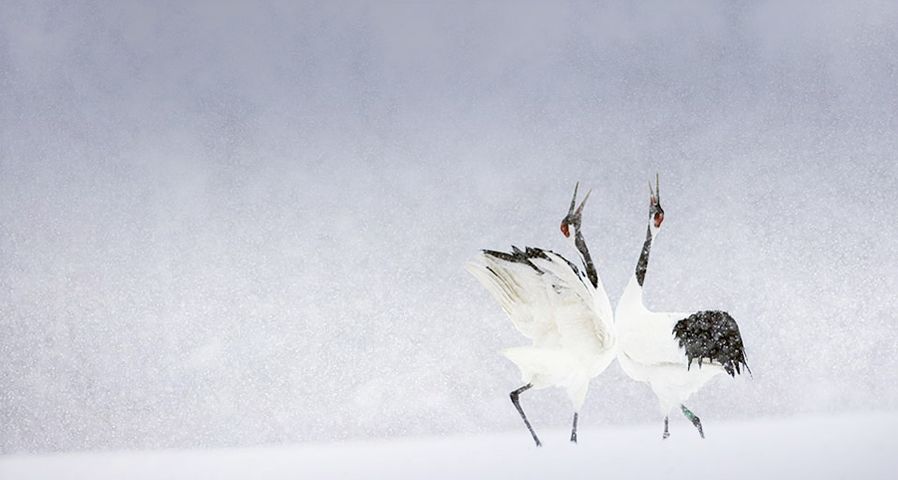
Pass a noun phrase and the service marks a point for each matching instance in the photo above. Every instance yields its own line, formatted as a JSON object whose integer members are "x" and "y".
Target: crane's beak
{"x": 573, "y": 213}
{"x": 570, "y": 211}
{"x": 658, "y": 212}
{"x": 583, "y": 202}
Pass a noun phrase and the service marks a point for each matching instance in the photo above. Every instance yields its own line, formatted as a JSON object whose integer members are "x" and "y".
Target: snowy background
{"x": 232, "y": 224}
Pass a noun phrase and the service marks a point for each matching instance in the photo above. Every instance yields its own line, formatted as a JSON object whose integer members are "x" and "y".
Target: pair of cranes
{"x": 566, "y": 312}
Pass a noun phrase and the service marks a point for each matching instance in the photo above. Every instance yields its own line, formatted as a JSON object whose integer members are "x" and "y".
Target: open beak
{"x": 655, "y": 193}
{"x": 570, "y": 211}
{"x": 579, "y": 210}
{"x": 583, "y": 202}
{"x": 656, "y": 202}
{"x": 574, "y": 212}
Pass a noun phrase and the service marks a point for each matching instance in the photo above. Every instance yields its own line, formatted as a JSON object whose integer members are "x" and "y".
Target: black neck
{"x": 587, "y": 260}
{"x": 644, "y": 257}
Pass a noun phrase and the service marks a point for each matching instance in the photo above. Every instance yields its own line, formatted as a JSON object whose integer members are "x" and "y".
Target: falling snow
{"x": 240, "y": 225}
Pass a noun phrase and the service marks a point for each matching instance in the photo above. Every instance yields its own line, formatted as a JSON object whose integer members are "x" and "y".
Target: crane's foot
{"x": 574, "y": 429}
{"x": 666, "y": 433}
{"x": 694, "y": 419}
{"x": 514, "y": 400}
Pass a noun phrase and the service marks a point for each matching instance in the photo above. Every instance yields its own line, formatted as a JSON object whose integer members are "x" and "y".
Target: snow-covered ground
{"x": 847, "y": 446}
{"x": 229, "y": 223}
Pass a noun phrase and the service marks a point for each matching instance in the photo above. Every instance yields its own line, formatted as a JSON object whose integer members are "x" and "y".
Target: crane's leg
{"x": 694, "y": 419}
{"x": 517, "y": 405}
{"x": 574, "y": 429}
{"x": 666, "y": 431}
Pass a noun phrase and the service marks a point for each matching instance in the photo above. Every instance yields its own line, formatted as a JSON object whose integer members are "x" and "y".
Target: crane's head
{"x": 572, "y": 219}
{"x": 656, "y": 213}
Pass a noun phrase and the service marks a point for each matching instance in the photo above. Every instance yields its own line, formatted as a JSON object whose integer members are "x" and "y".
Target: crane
{"x": 562, "y": 309}
{"x": 675, "y": 353}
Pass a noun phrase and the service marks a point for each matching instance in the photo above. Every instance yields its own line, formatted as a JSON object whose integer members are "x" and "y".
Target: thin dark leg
{"x": 514, "y": 400}
{"x": 574, "y": 430}
{"x": 694, "y": 419}
{"x": 666, "y": 431}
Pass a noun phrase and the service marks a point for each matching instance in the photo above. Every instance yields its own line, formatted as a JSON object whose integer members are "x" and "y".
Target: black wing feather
{"x": 523, "y": 256}
{"x": 712, "y": 335}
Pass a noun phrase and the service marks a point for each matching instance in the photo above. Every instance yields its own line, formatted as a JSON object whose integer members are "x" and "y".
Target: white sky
{"x": 244, "y": 224}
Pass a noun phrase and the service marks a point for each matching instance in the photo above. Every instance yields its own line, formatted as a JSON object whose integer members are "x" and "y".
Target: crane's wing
{"x": 546, "y": 297}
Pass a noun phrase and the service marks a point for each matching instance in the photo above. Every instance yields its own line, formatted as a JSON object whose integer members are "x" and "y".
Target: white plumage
{"x": 675, "y": 353}
{"x": 564, "y": 311}
{"x": 650, "y": 353}
{"x": 568, "y": 320}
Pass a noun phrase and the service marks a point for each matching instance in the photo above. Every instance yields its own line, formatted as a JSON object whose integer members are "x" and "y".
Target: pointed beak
{"x": 655, "y": 192}
{"x": 573, "y": 213}
{"x": 656, "y": 202}
{"x": 580, "y": 208}
{"x": 574, "y": 199}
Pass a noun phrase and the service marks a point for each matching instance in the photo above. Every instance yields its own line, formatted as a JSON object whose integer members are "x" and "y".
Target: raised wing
{"x": 547, "y": 298}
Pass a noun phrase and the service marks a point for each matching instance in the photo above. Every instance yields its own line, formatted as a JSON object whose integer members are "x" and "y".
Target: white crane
{"x": 565, "y": 312}
{"x": 675, "y": 353}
